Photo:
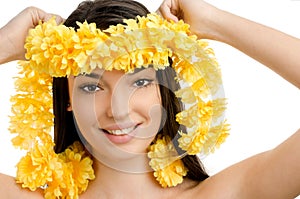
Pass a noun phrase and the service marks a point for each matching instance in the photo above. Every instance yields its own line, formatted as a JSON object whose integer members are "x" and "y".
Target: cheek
{"x": 82, "y": 106}
{"x": 83, "y": 110}
{"x": 147, "y": 104}
{"x": 147, "y": 101}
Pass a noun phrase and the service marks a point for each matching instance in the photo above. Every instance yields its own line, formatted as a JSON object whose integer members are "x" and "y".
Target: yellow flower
{"x": 185, "y": 70}
{"x": 32, "y": 118}
{"x": 191, "y": 94}
{"x": 80, "y": 164}
{"x": 172, "y": 174}
{"x": 211, "y": 72}
{"x": 204, "y": 140}
{"x": 216, "y": 136}
{"x": 192, "y": 142}
{"x": 49, "y": 47}
{"x": 36, "y": 168}
{"x": 77, "y": 170}
{"x": 199, "y": 117}
{"x": 58, "y": 51}
{"x": 168, "y": 168}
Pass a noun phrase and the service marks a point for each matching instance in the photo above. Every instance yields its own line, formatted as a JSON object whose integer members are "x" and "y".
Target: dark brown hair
{"x": 105, "y": 13}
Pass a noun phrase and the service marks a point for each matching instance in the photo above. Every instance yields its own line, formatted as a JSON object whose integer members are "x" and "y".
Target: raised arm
{"x": 12, "y": 38}
{"x": 13, "y": 34}
{"x": 275, "y": 173}
{"x": 273, "y": 48}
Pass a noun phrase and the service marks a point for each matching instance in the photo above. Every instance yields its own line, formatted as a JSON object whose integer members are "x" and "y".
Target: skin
{"x": 120, "y": 100}
{"x": 13, "y": 34}
{"x": 261, "y": 43}
{"x": 271, "y": 174}
{"x": 261, "y": 175}
{"x": 131, "y": 102}
{"x": 12, "y": 38}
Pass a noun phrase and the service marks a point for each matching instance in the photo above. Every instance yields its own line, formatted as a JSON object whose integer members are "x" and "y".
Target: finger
{"x": 58, "y": 18}
{"x": 165, "y": 11}
{"x": 37, "y": 15}
{"x": 159, "y": 13}
{"x": 43, "y": 16}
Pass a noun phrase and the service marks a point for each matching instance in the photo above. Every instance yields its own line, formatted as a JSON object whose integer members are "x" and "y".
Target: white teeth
{"x": 121, "y": 131}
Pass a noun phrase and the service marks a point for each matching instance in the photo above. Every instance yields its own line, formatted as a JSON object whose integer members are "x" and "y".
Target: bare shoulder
{"x": 272, "y": 174}
{"x": 10, "y": 189}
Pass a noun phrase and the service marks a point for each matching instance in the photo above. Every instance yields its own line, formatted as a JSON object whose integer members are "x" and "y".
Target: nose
{"x": 119, "y": 103}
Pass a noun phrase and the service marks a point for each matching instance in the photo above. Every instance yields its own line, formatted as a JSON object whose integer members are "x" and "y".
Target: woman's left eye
{"x": 90, "y": 88}
{"x": 142, "y": 82}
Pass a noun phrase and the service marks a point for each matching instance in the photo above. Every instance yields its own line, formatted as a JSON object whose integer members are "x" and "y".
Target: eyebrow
{"x": 98, "y": 76}
{"x": 137, "y": 70}
{"x": 91, "y": 75}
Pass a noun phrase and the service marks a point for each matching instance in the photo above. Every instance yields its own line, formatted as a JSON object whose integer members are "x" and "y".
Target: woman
{"x": 118, "y": 10}
{"x": 240, "y": 180}
{"x": 152, "y": 91}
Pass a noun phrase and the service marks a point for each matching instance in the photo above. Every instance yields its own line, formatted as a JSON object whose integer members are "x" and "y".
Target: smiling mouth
{"x": 125, "y": 131}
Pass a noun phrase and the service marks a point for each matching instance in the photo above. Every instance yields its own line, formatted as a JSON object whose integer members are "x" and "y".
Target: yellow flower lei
{"x": 56, "y": 51}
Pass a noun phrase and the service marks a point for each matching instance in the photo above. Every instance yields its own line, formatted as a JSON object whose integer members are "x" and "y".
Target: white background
{"x": 263, "y": 108}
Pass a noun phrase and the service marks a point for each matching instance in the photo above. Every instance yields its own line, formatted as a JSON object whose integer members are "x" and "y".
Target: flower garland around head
{"x": 57, "y": 51}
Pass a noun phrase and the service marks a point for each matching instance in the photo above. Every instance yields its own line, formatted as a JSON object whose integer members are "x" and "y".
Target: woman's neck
{"x": 112, "y": 183}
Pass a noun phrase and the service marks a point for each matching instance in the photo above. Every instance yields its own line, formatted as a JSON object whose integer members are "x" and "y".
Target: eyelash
{"x": 86, "y": 87}
{"x": 94, "y": 87}
{"x": 149, "y": 83}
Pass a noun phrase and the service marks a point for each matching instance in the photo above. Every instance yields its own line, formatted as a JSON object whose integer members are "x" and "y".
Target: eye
{"x": 142, "y": 82}
{"x": 90, "y": 88}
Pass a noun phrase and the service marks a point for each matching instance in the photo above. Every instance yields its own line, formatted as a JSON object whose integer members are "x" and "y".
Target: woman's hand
{"x": 275, "y": 49}
{"x": 13, "y": 34}
{"x": 196, "y": 13}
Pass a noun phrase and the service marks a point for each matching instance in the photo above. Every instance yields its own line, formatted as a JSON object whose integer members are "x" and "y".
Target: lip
{"x": 120, "y": 126}
{"x": 122, "y": 138}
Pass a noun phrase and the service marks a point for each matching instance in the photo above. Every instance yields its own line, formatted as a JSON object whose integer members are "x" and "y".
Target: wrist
{"x": 3, "y": 54}
{"x": 212, "y": 23}
{"x": 204, "y": 19}
{"x": 9, "y": 48}
{"x": 222, "y": 26}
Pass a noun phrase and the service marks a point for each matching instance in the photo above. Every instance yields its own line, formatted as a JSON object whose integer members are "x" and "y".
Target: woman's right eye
{"x": 90, "y": 88}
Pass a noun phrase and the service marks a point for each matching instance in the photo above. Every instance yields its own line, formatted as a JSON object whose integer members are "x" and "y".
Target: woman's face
{"x": 118, "y": 114}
